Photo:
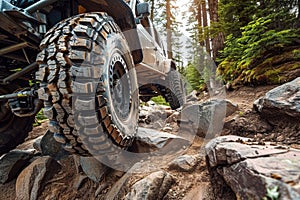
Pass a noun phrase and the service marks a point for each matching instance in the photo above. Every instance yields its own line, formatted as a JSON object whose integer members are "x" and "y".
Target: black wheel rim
{"x": 120, "y": 86}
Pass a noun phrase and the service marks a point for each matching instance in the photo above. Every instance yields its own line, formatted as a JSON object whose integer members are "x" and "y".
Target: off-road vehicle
{"x": 87, "y": 62}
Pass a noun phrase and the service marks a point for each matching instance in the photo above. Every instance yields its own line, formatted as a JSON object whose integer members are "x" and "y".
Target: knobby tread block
{"x": 174, "y": 91}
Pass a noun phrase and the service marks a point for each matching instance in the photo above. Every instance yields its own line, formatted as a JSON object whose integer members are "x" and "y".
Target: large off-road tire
{"x": 174, "y": 90}
{"x": 13, "y": 129}
{"x": 89, "y": 85}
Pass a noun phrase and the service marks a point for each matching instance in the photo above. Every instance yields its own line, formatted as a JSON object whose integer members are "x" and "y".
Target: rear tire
{"x": 174, "y": 90}
{"x": 89, "y": 85}
{"x": 13, "y": 129}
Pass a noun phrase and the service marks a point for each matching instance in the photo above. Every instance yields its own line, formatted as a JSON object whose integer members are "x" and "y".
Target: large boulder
{"x": 48, "y": 146}
{"x": 12, "y": 163}
{"x": 206, "y": 118}
{"x": 255, "y": 171}
{"x": 281, "y": 101}
{"x": 153, "y": 187}
{"x": 32, "y": 180}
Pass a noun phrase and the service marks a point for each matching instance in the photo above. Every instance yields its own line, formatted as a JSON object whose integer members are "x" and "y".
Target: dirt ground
{"x": 189, "y": 185}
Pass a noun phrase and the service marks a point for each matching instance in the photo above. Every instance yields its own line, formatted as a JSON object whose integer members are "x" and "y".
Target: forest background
{"x": 239, "y": 42}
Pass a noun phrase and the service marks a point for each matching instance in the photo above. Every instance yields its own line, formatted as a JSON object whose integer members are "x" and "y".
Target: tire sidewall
{"x": 117, "y": 43}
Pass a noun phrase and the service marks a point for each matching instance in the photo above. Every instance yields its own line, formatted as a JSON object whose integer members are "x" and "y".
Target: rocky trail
{"x": 245, "y": 146}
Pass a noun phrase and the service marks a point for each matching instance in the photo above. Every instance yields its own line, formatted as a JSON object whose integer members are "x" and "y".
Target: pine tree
{"x": 205, "y": 26}
{"x": 168, "y": 28}
{"x": 167, "y": 25}
{"x": 260, "y": 33}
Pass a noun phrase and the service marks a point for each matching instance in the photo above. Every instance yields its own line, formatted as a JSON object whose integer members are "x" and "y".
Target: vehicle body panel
{"x": 21, "y": 32}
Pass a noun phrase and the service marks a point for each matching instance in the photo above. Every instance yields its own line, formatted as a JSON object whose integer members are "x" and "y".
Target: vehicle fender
{"x": 123, "y": 16}
{"x": 168, "y": 64}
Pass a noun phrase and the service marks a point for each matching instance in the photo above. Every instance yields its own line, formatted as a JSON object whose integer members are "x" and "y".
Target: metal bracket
{"x": 24, "y": 71}
{"x": 13, "y": 48}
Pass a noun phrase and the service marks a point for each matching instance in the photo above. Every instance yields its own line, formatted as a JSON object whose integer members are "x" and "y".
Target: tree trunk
{"x": 219, "y": 38}
{"x": 152, "y": 10}
{"x": 262, "y": 4}
{"x": 299, "y": 9}
{"x": 205, "y": 25}
{"x": 213, "y": 10}
{"x": 199, "y": 20}
{"x": 168, "y": 27}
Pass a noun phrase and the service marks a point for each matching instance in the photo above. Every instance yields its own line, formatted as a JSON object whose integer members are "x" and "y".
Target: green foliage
{"x": 262, "y": 42}
{"x": 160, "y": 21}
{"x": 252, "y": 57}
{"x": 234, "y": 14}
{"x": 160, "y": 100}
{"x": 194, "y": 78}
{"x": 40, "y": 118}
{"x": 272, "y": 193}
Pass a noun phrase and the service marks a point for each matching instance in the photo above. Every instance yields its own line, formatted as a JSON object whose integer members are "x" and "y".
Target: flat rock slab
{"x": 236, "y": 149}
{"x": 12, "y": 163}
{"x": 251, "y": 169}
{"x": 32, "y": 180}
{"x": 149, "y": 140}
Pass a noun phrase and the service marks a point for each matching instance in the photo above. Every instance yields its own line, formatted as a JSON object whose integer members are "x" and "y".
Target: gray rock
{"x": 157, "y": 125}
{"x": 251, "y": 170}
{"x": 37, "y": 143}
{"x": 32, "y": 180}
{"x": 207, "y": 118}
{"x": 76, "y": 160}
{"x": 210, "y": 148}
{"x": 282, "y": 100}
{"x": 12, "y": 163}
{"x": 48, "y": 146}
{"x": 233, "y": 151}
{"x": 184, "y": 163}
{"x": 192, "y": 96}
{"x": 79, "y": 181}
{"x": 150, "y": 103}
{"x": 167, "y": 129}
{"x": 153, "y": 187}
{"x": 149, "y": 140}
{"x": 257, "y": 176}
{"x": 173, "y": 118}
{"x": 154, "y": 116}
{"x": 93, "y": 168}
{"x": 116, "y": 190}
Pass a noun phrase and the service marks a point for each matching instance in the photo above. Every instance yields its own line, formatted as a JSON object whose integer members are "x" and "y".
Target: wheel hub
{"x": 120, "y": 86}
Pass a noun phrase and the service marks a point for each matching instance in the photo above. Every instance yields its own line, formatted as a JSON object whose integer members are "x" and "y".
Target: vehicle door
{"x": 147, "y": 38}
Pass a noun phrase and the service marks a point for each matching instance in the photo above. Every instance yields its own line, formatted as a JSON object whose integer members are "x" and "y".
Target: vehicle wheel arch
{"x": 124, "y": 18}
